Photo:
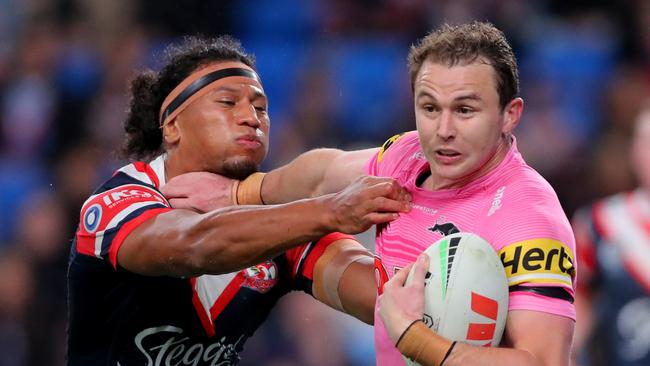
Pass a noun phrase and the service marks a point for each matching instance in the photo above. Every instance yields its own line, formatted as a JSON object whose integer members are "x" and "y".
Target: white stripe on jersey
{"x": 633, "y": 240}
{"x": 131, "y": 171}
{"x": 302, "y": 257}
{"x": 99, "y": 236}
{"x": 158, "y": 166}
{"x": 210, "y": 287}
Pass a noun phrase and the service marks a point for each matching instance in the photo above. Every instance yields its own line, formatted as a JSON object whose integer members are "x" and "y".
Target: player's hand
{"x": 366, "y": 202}
{"x": 199, "y": 191}
{"x": 400, "y": 305}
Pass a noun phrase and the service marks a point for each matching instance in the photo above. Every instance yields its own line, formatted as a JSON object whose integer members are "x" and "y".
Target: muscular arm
{"x": 531, "y": 337}
{"x": 344, "y": 279}
{"x": 314, "y": 173}
{"x": 185, "y": 243}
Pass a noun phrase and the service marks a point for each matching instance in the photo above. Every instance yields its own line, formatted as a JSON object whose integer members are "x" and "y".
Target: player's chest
{"x": 400, "y": 242}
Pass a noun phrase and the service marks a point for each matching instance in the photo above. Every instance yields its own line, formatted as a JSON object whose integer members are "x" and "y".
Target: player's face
{"x": 461, "y": 124}
{"x": 226, "y": 130}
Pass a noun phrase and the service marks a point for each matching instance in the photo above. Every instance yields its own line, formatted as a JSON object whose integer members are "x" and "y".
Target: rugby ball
{"x": 465, "y": 291}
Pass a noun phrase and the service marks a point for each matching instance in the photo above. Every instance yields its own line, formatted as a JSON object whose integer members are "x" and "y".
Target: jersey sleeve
{"x": 301, "y": 261}
{"x": 537, "y": 248}
{"x": 109, "y": 216}
{"x": 382, "y": 163}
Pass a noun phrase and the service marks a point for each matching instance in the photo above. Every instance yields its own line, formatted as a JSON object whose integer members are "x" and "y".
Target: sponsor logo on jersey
{"x": 92, "y": 218}
{"x": 166, "y": 345}
{"x": 261, "y": 277}
{"x": 496, "y": 202}
{"x": 129, "y": 193}
{"x": 538, "y": 261}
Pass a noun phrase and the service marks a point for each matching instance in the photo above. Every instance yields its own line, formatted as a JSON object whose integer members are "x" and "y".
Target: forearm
{"x": 184, "y": 243}
{"x": 419, "y": 343}
{"x": 314, "y": 173}
{"x": 300, "y": 178}
{"x": 358, "y": 290}
{"x": 237, "y": 237}
{"x": 344, "y": 279}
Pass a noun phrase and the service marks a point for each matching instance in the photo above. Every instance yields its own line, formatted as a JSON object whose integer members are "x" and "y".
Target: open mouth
{"x": 447, "y": 153}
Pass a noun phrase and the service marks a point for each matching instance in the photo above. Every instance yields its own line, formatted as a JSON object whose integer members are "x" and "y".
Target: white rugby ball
{"x": 466, "y": 291}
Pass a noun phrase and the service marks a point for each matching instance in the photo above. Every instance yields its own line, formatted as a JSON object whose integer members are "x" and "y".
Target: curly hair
{"x": 143, "y": 135}
{"x": 453, "y": 45}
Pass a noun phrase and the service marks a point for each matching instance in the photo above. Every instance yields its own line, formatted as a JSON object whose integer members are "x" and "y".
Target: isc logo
{"x": 116, "y": 196}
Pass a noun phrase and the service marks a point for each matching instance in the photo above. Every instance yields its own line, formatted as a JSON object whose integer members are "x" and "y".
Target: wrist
{"x": 249, "y": 190}
{"x": 422, "y": 345}
{"x": 329, "y": 219}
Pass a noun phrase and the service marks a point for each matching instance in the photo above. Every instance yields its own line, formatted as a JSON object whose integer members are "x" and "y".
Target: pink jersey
{"x": 512, "y": 207}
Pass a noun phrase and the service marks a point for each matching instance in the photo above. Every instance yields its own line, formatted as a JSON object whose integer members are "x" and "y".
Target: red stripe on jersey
{"x": 317, "y": 252}
{"x": 208, "y": 326}
{"x": 127, "y": 228}
{"x": 293, "y": 257}
{"x": 147, "y": 169}
{"x": 226, "y": 296}
{"x": 586, "y": 252}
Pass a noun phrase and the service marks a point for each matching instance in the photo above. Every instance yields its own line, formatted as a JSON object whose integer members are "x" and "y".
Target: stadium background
{"x": 335, "y": 74}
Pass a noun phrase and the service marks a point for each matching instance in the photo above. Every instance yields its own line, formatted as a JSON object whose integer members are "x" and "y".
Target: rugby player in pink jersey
{"x": 464, "y": 173}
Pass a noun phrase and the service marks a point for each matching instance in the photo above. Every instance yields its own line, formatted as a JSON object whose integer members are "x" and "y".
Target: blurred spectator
{"x": 16, "y": 290}
{"x": 613, "y": 243}
{"x": 42, "y": 234}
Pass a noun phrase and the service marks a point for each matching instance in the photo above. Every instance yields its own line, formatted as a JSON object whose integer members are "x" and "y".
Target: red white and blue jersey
{"x": 613, "y": 242}
{"x": 121, "y": 318}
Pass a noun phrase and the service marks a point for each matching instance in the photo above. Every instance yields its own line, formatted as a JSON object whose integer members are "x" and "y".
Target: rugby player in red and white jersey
{"x": 464, "y": 173}
{"x": 153, "y": 285}
{"x": 613, "y": 296}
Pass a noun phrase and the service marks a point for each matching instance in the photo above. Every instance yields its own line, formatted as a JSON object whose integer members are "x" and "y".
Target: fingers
{"x": 400, "y": 277}
{"x": 421, "y": 267}
{"x": 183, "y": 203}
{"x": 172, "y": 190}
{"x": 376, "y": 218}
{"x": 390, "y": 190}
{"x": 383, "y": 204}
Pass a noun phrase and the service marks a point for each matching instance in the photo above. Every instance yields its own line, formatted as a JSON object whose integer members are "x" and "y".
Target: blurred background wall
{"x": 335, "y": 74}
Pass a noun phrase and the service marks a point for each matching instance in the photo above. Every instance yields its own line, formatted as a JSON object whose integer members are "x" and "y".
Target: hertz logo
{"x": 538, "y": 261}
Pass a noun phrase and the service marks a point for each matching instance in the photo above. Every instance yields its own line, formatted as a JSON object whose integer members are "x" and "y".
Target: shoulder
{"x": 122, "y": 202}
{"x": 394, "y": 153}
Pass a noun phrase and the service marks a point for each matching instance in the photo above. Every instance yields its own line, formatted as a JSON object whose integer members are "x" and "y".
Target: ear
{"x": 171, "y": 132}
{"x": 512, "y": 115}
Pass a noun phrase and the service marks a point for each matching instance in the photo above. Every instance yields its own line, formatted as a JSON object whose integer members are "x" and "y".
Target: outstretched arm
{"x": 314, "y": 173}
{"x": 531, "y": 337}
{"x": 185, "y": 243}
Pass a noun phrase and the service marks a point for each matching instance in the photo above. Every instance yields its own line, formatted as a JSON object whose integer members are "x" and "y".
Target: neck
{"x": 436, "y": 183}
{"x": 174, "y": 165}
